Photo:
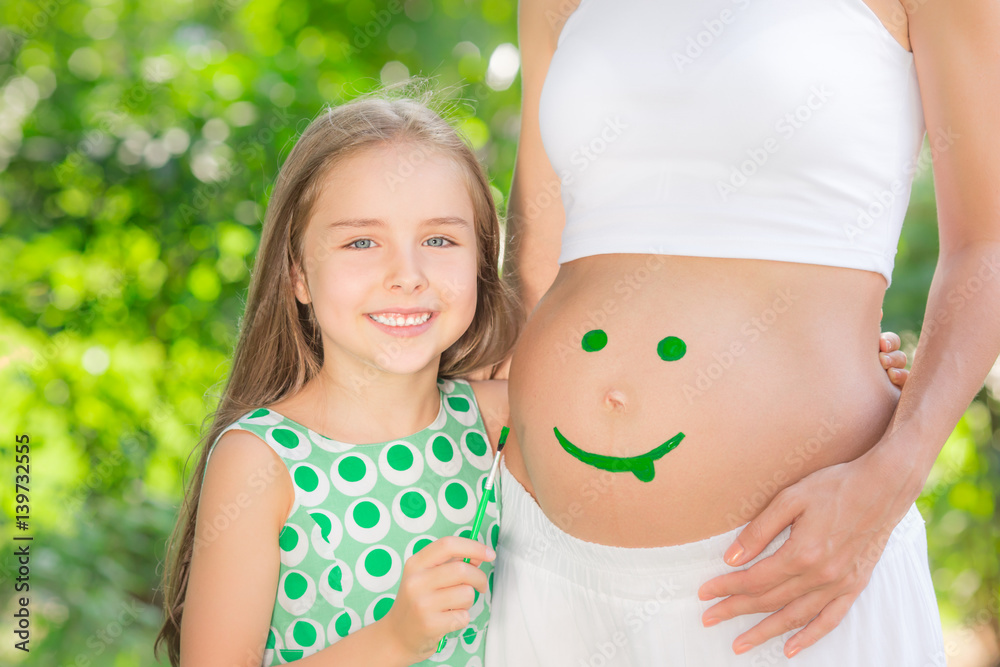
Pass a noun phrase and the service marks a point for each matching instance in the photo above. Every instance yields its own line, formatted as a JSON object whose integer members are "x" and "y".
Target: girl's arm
{"x": 245, "y": 500}
{"x": 844, "y": 514}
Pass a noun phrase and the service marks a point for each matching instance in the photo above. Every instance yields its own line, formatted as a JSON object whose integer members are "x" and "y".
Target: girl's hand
{"x": 435, "y": 594}
{"x": 841, "y": 519}
{"x": 892, "y": 358}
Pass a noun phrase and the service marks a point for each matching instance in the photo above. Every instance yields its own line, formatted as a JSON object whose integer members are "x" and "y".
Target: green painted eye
{"x": 594, "y": 340}
{"x": 671, "y": 348}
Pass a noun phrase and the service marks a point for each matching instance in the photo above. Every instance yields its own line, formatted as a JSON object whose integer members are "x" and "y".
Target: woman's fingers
{"x": 752, "y": 582}
{"x": 889, "y": 342}
{"x": 776, "y": 592}
{"x": 895, "y": 359}
{"x": 795, "y": 614}
{"x": 780, "y": 513}
{"x": 828, "y": 619}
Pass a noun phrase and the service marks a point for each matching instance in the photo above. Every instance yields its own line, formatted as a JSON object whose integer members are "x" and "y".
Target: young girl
{"x": 328, "y": 520}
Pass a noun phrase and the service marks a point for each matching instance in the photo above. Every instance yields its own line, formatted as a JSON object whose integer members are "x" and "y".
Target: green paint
{"x": 671, "y": 348}
{"x": 594, "y": 340}
{"x": 641, "y": 466}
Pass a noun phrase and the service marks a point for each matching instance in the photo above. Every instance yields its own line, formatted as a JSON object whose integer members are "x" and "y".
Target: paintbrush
{"x": 483, "y": 501}
{"x": 488, "y": 489}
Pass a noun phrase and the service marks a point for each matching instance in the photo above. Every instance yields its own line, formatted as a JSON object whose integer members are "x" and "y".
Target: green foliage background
{"x": 137, "y": 144}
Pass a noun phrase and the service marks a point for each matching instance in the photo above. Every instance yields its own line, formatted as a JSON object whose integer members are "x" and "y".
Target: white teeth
{"x": 401, "y": 320}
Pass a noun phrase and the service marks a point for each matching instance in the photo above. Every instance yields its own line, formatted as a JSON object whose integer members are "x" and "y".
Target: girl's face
{"x": 389, "y": 258}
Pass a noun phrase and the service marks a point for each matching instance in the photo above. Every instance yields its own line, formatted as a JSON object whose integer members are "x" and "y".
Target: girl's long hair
{"x": 279, "y": 348}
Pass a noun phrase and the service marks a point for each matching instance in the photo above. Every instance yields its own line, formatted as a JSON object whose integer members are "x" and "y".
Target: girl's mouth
{"x": 403, "y": 325}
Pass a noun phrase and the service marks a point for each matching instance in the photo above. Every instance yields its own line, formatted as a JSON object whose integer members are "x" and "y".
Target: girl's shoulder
{"x": 284, "y": 437}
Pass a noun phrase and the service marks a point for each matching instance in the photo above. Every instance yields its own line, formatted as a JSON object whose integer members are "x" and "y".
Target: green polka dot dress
{"x": 360, "y": 511}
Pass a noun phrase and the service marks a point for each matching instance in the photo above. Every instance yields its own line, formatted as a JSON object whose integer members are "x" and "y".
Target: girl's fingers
{"x": 457, "y": 573}
{"x": 447, "y": 548}
{"x": 899, "y": 376}
{"x": 462, "y": 596}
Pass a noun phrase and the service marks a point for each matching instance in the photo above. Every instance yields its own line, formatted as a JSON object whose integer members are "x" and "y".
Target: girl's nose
{"x": 405, "y": 273}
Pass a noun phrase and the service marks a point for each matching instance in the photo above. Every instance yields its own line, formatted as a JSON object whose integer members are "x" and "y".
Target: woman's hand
{"x": 435, "y": 594}
{"x": 841, "y": 519}
{"x": 892, "y": 358}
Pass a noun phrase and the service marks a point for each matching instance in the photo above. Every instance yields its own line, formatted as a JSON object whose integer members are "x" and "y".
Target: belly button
{"x": 614, "y": 401}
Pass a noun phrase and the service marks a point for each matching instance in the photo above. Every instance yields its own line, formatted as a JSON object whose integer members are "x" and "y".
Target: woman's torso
{"x": 361, "y": 511}
{"x": 780, "y": 376}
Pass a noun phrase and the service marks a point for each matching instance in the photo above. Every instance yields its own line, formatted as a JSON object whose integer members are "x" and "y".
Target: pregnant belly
{"x": 658, "y": 400}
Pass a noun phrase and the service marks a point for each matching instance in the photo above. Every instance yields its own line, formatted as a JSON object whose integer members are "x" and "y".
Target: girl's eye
{"x": 361, "y": 244}
{"x": 438, "y": 242}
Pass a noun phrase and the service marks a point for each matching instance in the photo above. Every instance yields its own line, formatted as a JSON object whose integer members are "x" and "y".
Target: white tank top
{"x": 786, "y": 130}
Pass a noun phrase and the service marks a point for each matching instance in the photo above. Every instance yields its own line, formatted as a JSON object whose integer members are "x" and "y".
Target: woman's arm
{"x": 844, "y": 514}
{"x": 535, "y": 216}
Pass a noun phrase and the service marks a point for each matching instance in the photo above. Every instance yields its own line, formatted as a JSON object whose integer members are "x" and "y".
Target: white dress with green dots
{"x": 360, "y": 511}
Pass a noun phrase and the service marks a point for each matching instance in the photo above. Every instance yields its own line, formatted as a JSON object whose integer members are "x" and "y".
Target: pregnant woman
{"x": 708, "y": 193}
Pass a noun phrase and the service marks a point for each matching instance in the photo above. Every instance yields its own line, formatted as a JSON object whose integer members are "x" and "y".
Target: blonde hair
{"x": 280, "y": 348}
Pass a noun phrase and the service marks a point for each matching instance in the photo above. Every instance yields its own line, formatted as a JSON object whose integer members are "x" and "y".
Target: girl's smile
{"x": 403, "y": 322}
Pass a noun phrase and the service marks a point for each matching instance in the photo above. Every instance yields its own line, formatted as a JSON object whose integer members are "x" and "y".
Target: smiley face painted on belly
{"x": 670, "y": 348}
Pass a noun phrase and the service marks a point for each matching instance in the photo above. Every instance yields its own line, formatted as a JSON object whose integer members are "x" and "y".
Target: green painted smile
{"x": 670, "y": 348}
{"x": 641, "y": 466}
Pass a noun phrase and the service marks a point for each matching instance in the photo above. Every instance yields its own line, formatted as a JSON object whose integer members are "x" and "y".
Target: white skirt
{"x": 558, "y": 600}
